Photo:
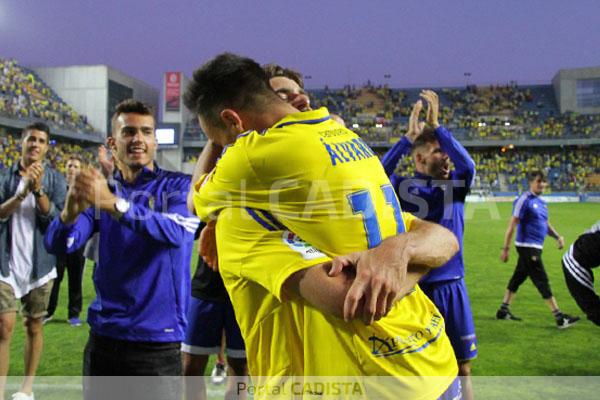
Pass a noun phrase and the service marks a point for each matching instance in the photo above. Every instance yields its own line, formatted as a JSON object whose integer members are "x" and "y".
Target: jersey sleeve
{"x": 408, "y": 219}
{"x": 232, "y": 183}
{"x": 250, "y": 247}
{"x": 520, "y": 207}
{"x": 464, "y": 164}
{"x": 390, "y": 159}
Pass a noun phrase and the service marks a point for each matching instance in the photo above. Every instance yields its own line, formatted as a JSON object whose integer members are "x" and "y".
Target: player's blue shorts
{"x": 206, "y": 322}
{"x": 451, "y": 298}
{"x": 454, "y": 391}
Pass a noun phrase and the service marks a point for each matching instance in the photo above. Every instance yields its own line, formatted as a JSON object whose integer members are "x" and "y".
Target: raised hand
{"x": 415, "y": 128}
{"x": 74, "y": 205}
{"x": 433, "y": 108}
{"x": 107, "y": 166}
{"x": 91, "y": 186}
{"x": 34, "y": 173}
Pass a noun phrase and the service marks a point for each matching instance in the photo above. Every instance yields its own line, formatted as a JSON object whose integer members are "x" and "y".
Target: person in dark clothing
{"x": 73, "y": 263}
{"x": 578, "y": 262}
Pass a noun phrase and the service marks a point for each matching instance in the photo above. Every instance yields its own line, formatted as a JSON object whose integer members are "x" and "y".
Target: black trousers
{"x": 530, "y": 265}
{"x": 74, "y": 264}
{"x": 120, "y": 369}
{"x": 586, "y": 298}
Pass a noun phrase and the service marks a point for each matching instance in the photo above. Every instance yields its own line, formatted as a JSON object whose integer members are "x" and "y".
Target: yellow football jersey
{"x": 313, "y": 175}
{"x": 310, "y": 176}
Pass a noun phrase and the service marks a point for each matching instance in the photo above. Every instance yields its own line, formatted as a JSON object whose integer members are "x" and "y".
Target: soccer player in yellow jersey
{"x": 303, "y": 173}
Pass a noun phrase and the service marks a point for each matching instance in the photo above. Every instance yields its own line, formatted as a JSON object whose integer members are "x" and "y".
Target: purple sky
{"x": 420, "y": 43}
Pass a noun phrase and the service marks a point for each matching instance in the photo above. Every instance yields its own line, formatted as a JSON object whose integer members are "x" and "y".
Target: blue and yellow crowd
{"x": 24, "y": 95}
{"x": 380, "y": 115}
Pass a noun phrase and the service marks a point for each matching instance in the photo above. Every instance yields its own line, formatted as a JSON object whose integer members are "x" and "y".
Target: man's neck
{"x": 23, "y": 163}
{"x": 131, "y": 174}
{"x": 275, "y": 113}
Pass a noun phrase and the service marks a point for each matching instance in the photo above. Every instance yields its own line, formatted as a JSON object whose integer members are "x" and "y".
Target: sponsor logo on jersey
{"x": 300, "y": 246}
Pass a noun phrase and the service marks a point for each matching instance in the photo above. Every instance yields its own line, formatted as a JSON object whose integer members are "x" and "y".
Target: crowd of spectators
{"x": 380, "y": 114}
{"x": 24, "y": 95}
{"x": 506, "y": 169}
{"x": 502, "y": 112}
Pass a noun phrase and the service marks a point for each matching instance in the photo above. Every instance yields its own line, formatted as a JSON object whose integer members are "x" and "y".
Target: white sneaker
{"x": 23, "y": 396}
{"x": 218, "y": 374}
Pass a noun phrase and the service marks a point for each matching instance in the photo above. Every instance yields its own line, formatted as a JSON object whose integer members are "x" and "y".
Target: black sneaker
{"x": 566, "y": 321}
{"x": 506, "y": 314}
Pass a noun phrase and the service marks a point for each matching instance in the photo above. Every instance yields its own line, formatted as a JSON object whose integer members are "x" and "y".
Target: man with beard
{"x": 438, "y": 194}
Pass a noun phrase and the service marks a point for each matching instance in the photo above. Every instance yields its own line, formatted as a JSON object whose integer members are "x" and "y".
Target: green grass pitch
{"x": 506, "y": 348}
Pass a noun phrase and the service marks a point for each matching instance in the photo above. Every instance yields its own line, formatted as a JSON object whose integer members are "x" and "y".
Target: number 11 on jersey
{"x": 362, "y": 203}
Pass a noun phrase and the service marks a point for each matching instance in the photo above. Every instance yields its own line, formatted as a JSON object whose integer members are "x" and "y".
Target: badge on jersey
{"x": 300, "y": 246}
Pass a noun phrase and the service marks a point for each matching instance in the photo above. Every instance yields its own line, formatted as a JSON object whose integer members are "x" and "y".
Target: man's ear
{"x": 418, "y": 157}
{"x": 232, "y": 120}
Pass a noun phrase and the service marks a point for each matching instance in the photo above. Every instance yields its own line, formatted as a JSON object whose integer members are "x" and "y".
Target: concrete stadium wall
{"x": 82, "y": 87}
{"x": 565, "y": 85}
{"x": 85, "y": 88}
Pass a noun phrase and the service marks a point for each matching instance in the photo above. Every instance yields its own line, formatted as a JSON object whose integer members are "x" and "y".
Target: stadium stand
{"x": 491, "y": 115}
{"x": 24, "y": 95}
{"x": 380, "y": 114}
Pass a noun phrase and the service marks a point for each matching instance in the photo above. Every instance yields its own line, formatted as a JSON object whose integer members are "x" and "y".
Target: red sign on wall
{"x": 172, "y": 91}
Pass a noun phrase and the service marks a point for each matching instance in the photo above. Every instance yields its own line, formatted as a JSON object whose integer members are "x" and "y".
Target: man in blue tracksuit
{"x": 438, "y": 195}
{"x": 142, "y": 279}
{"x": 530, "y": 220}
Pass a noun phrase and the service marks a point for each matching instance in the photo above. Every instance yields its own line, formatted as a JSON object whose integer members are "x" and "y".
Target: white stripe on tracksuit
{"x": 579, "y": 273}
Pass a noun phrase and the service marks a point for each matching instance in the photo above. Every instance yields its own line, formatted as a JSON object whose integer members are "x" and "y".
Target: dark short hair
{"x": 76, "y": 157}
{"x": 36, "y": 126}
{"x": 129, "y": 106}
{"x": 227, "y": 81}
{"x": 426, "y": 137}
{"x": 274, "y": 70}
{"x": 532, "y": 175}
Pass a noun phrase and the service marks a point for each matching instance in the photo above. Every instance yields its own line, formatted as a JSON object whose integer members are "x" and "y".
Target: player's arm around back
{"x": 366, "y": 284}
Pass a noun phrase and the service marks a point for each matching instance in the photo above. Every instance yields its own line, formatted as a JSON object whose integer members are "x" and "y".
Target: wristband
{"x": 38, "y": 193}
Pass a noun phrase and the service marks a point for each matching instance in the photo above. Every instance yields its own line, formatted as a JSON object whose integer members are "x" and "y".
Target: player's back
{"x": 325, "y": 182}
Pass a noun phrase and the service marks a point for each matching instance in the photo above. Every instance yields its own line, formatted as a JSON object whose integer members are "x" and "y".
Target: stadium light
{"x": 355, "y": 125}
{"x": 507, "y": 123}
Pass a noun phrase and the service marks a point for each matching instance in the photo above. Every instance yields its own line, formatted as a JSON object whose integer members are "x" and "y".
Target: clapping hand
{"x": 433, "y": 108}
